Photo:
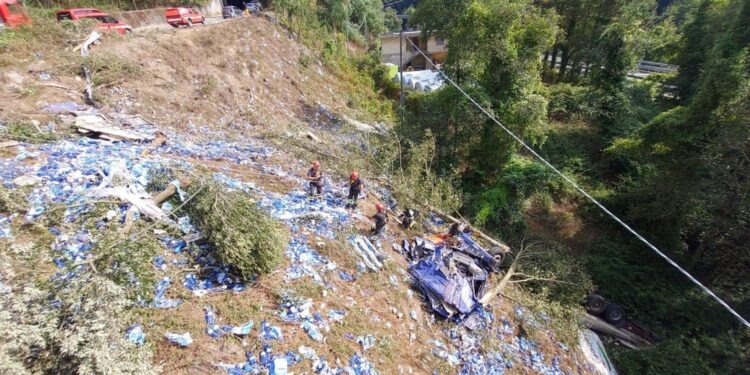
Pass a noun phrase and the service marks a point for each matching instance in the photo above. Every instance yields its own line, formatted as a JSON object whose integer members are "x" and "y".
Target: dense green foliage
{"x": 239, "y": 232}
{"x": 669, "y": 154}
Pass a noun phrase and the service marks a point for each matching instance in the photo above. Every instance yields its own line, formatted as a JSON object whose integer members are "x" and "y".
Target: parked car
{"x": 183, "y": 16}
{"x": 231, "y": 11}
{"x": 253, "y": 6}
{"x": 105, "y": 22}
{"x": 13, "y": 14}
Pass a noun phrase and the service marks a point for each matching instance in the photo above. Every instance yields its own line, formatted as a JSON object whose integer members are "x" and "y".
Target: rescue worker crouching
{"x": 407, "y": 218}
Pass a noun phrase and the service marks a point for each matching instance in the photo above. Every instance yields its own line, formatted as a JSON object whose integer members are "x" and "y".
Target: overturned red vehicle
{"x": 13, "y": 14}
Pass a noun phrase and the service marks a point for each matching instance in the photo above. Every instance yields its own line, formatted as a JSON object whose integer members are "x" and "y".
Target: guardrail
{"x": 656, "y": 67}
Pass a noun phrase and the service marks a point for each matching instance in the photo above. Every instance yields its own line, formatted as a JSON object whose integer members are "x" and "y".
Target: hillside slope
{"x": 232, "y": 99}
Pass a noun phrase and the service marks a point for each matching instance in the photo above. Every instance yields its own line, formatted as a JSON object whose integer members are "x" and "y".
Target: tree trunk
{"x": 564, "y": 60}
{"x": 554, "y": 58}
{"x": 575, "y": 70}
{"x": 696, "y": 257}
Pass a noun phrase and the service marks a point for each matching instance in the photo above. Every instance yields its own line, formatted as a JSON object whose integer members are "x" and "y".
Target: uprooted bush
{"x": 75, "y": 327}
{"x": 241, "y": 234}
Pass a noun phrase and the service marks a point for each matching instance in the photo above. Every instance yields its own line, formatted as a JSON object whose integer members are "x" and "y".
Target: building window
{"x": 439, "y": 41}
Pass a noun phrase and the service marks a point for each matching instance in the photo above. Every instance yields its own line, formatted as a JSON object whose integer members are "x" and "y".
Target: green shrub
{"x": 27, "y": 133}
{"x": 107, "y": 68}
{"x": 242, "y": 235}
{"x": 567, "y": 101}
{"x": 119, "y": 257}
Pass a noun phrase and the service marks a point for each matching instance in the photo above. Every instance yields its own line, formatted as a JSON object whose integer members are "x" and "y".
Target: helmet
{"x": 380, "y": 207}
{"x": 316, "y": 164}
{"x": 355, "y": 175}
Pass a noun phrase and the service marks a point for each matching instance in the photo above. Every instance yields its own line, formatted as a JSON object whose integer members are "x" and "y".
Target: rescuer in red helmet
{"x": 355, "y": 187}
{"x": 381, "y": 219}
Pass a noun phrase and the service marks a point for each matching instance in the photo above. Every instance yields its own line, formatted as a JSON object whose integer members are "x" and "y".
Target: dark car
{"x": 231, "y": 11}
{"x": 253, "y": 6}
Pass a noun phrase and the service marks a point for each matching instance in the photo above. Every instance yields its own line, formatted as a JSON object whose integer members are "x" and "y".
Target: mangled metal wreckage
{"x": 452, "y": 274}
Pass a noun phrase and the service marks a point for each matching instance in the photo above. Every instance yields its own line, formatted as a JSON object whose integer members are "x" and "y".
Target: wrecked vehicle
{"x": 12, "y": 14}
{"x": 452, "y": 274}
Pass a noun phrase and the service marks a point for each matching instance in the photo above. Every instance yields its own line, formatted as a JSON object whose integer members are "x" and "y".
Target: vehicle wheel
{"x": 203, "y": 21}
{"x": 595, "y": 304}
{"x": 174, "y": 25}
{"x": 614, "y": 315}
{"x": 190, "y": 23}
{"x": 498, "y": 258}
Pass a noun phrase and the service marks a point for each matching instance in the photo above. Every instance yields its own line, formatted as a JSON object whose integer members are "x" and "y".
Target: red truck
{"x": 105, "y": 22}
{"x": 183, "y": 16}
{"x": 12, "y": 14}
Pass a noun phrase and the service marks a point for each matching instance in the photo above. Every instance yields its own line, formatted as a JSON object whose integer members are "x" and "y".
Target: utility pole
{"x": 403, "y": 19}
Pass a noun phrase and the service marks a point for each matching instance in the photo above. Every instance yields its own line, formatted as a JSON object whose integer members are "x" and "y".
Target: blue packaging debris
{"x": 266, "y": 356}
{"x": 250, "y": 366}
{"x": 212, "y": 329}
{"x": 392, "y": 280}
{"x": 299, "y": 310}
{"x": 307, "y": 352}
{"x": 279, "y": 366}
{"x": 5, "y": 227}
{"x": 135, "y": 334}
{"x": 336, "y": 315}
{"x": 343, "y": 275}
{"x": 63, "y": 107}
{"x": 160, "y": 263}
{"x": 160, "y": 301}
{"x": 182, "y": 340}
{"x": 292, "y": 358}
{"x": 241, "y": 330}
{"x": 452, "y": 359}
{"x": 371, "y": 257}
{"x": 472, "y": 359}
{"x": 367, "y": 342}
{"x": 361, "y": 365}
{"x": 312, "y": 330}
{"x": 269, "y": 332}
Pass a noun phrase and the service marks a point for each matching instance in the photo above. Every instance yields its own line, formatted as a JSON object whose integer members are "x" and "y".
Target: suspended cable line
{"x": 584, "y": 193}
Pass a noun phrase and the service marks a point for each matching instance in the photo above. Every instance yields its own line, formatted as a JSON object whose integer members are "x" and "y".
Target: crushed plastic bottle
{"x": 336, "y": 315}
{"x": 361, "y": 365}
{"x": 367, "y": 342}
{"x": 307, "y": 353}
{"x": 212, "y": 329}
{"x": 269, "y": 332}
{"x": 159, "y": 301}
{"x": 312, "y": 331}
{"x": 345, "y": 276}
{"x": 159, "y": 263}
{"x": 135, "y": 334}
{"x": 182, "y": 340}
{"x": 5, "y": 227}
{"x": 279, "y": 366}
{"x": 452, "y": 359}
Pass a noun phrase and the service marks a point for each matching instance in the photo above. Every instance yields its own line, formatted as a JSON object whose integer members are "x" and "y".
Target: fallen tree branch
{"x": 452, "y": 219}
{"x": 84, "y": 204}
{"x": 88, "y": 92}
{"x": 540, "y": 279}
